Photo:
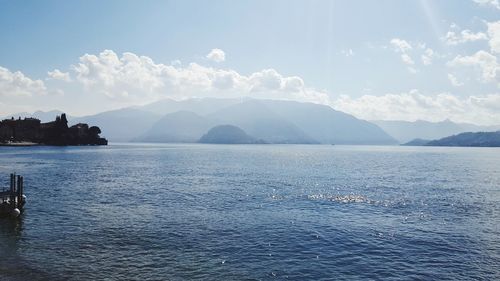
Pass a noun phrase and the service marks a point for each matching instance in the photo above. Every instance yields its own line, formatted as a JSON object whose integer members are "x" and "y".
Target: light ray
{"x": 431, "y": 13}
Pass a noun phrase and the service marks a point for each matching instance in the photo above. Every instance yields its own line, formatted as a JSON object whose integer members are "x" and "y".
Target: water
{"x": 250, "y": 212}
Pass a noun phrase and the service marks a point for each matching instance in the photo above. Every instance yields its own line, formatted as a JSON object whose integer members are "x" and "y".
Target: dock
{"x": 12, "y": 200}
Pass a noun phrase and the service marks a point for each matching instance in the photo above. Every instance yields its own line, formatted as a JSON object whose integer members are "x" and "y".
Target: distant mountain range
{"x": 261, "y": 121}
{"x": 180, "y": 126}
{"x": 479, "y": 139}
{"x": 44, "y": 116}
{"x": 267, "y": 120}
{"x": 270, "y": 121}
{"x": 121, "y": 125}
{"x": 405, "y": 131}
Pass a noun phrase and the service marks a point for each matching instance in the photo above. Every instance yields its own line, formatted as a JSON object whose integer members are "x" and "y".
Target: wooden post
{"x": 13, "y": 190}
{"x": 12, "y": 179}
{"x": 20, "y": 188}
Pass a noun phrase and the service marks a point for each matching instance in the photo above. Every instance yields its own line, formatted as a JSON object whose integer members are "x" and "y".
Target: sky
{"x": 378, "y": 60}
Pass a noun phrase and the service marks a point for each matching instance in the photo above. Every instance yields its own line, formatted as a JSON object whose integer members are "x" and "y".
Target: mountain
{"x": 180, "y": 126}
{"x": 306, "y": 122}
{"x": 269, "y": 120}
{"x": 227, "y": 134}
{"x": 122, "y": 124}
{"x": 43, "y": 116}
{"x": 404, "y": 131}
{"x": 327, "y": 125}
{"x": 416, "y": 142}
{"x": 479, "y": 139}
{"x": 253, "y": 116}
{"x": 199, "y": 106}
{"x": 261, "y": 122}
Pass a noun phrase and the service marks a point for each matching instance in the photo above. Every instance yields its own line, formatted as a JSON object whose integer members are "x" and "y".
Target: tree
{"x": 94, "y": 131}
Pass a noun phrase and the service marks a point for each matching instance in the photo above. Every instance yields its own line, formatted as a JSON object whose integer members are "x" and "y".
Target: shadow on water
{"x": 12, "y": 265}
{"x": 10, "y": 234}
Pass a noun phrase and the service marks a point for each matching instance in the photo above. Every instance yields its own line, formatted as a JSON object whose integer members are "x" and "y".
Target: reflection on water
{"x": 11, "y": 230}
{"x": 11, "y": 264}
{"x": 250, "y": 212}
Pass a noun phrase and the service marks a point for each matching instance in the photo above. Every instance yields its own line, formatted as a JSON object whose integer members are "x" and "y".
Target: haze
{"x": 375, "y": 60}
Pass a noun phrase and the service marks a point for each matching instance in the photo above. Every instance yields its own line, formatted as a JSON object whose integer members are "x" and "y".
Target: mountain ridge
{"x": 405, "y": 131}
{"x": 273, "y": 121}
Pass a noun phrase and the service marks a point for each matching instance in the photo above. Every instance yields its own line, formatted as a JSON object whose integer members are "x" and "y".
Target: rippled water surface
{"x": 270, "y": 212}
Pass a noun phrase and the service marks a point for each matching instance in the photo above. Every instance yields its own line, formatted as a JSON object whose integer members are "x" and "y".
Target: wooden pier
{"x": 12, "y": 201}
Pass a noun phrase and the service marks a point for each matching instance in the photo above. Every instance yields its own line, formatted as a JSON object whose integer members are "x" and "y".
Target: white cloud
{"x": 454, "y": 81}
{"x": 494, "y": 34}
{"x": 413, "y": 105}
{"x": 17, "y": 84}
{"x": 138, "y": 79}
{"x": 427, "y": 56}
{"x": 267, "y": 79}
{"x": 56, "y": 74}
{"x": 483, "y": 61}
{"x": 454, "y": 38}
{"x": 407, "y": 59}
{"x": 107, "y": 81}
{"x": 486, "y": 63}
{"x": 119, "y": 77}
{"x": 401, "y": 45}
{"x": 494, "y": 3}
{"x": 216, "y": 55}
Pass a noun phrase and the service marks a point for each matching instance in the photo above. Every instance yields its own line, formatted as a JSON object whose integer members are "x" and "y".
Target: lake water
{"x": 253, "y": 212}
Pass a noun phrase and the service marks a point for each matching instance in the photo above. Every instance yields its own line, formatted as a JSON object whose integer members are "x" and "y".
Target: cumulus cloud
{"x": 17, "y": 84}
{"x": 455, "y": 38}
{"x": 56, "y": 74}
{"x": 139, "y": 79}
{"x": 401, "y": 45}
{"x": 267, "y": 79}
{"x": 119, "y": 77}
{"x": 484, "y": 62}
{"x": 414, "y": 105}
{"x": 494, "y": 34}
{"x": 109, "y": 80}
{"x": 216, "y": 55}
{"x": 403, "y": 48}
{"x": 493, "y": 3}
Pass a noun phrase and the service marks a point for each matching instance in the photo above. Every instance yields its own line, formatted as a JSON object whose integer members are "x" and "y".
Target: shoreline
{"x": 24, "y": 143}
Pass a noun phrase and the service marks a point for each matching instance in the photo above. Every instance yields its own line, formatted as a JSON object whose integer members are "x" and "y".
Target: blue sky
{"x": 375, "y": 59}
